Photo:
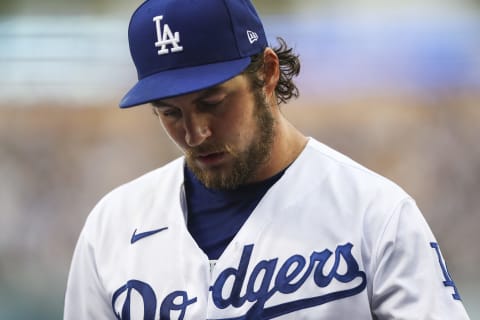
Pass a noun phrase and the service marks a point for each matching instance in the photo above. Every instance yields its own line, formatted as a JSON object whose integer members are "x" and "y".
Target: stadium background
{"x": 395, "y": 85}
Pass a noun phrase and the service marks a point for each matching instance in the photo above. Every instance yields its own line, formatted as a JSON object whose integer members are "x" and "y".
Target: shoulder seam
{"x": 394, "y": 211}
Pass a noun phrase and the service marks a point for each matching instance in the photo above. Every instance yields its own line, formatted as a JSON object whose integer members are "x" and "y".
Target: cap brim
{"x": 170, "y": 83}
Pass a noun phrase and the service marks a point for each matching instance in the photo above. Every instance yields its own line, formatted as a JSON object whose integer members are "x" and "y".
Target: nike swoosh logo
{"x": 136, "y": 237}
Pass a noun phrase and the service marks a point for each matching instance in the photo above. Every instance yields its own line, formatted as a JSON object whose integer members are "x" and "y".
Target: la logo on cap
{"x": 166, "y": 38}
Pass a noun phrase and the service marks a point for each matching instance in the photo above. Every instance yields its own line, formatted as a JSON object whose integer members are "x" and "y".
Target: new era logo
{"x": 252, "y": 36}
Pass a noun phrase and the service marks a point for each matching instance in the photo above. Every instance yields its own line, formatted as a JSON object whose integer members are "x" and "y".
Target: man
{"x": 256, "y": 221}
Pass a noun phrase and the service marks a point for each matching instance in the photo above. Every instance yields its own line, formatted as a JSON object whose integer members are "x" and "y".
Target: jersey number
{"x": 448, "y": 282}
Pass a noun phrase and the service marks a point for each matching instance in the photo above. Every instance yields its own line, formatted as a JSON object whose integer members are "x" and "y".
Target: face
{"x": 226, "y": 132}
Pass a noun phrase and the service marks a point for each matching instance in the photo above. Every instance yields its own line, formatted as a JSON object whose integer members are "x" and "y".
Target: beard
{"x": 245, "y": 163}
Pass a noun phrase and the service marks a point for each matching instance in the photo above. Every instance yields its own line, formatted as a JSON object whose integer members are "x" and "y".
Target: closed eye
{"x": 166, "y": 112}
{"x": 210, "y": 104}
{"x": 170, "y": 112}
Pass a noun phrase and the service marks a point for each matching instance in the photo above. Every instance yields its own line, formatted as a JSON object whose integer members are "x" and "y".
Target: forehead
{"x": 236, "y": 83}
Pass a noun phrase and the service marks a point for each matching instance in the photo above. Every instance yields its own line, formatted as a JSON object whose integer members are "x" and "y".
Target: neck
{"x": 288, "y": 143}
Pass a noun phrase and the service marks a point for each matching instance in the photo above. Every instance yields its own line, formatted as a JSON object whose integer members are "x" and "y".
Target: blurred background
{"x": 393, "y": 84}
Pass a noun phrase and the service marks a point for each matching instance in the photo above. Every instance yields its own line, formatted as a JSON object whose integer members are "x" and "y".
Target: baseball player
{"x": 255, "y": 221}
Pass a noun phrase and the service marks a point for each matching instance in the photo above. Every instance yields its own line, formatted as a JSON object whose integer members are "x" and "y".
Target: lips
{"x": 211, "y": 158}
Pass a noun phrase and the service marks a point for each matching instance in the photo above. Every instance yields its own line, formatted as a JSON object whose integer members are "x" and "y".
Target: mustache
{"x": 209, "y": 149}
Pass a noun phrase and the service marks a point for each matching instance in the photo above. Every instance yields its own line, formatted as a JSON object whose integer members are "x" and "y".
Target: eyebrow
{"x": 209, "y": 91}
{"x": 160, "y": 104}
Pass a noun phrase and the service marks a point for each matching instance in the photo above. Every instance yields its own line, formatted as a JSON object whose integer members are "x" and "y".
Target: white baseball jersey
{"x": 330, "y": 240}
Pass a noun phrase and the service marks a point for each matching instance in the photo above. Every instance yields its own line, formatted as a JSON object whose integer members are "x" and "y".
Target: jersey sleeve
{"x": 411, "y": 280}
{"x": 85, "y": 297}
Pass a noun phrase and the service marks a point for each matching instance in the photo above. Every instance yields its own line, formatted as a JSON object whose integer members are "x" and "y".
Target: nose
{"x": 197, "y": 130}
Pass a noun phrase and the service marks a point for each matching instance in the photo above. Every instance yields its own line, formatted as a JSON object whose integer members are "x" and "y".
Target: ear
{"x": 271, "y": 71}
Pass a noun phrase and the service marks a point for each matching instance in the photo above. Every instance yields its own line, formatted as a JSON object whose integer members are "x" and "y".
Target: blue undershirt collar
{"x": 215, "y": 216}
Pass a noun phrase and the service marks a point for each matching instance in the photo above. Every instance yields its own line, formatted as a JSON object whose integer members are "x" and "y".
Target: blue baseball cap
{"x": 182, "y": 46}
